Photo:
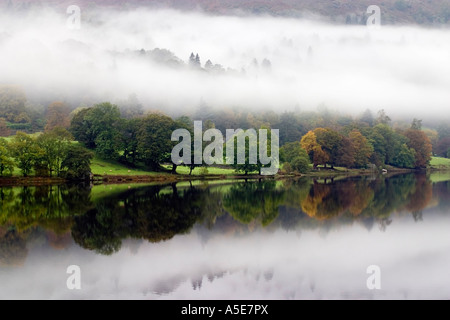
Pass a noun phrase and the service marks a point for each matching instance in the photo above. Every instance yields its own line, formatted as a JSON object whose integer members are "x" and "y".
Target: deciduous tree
{"x": 26, "y": 152}
{"x": 154, "y": 139}
{"x": 57, "y": 116}
{"x": 6, "y": 162}
{"x": 77, "y": 163}
{"x": 421, "y": 145}
{"x": 363, "y": 149}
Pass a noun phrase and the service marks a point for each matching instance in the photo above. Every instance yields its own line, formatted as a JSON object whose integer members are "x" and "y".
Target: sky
{"x": 404, "y": 70}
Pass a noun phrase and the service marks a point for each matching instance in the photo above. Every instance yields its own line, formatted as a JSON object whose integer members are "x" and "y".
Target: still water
{"x": 295, "y": 239}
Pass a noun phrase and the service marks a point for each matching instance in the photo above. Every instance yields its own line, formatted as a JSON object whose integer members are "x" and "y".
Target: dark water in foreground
{"x": 254, "y": 240}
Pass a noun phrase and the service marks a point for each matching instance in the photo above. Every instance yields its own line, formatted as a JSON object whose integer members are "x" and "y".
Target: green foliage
{"x": 300, "y": 164}
{"x": 104, "y": 120}
{"x": 204, "y": 171}
{"x": 20, "y": 126}
{"x": 363, "y": 149}
{"x": 99, "y": 128}
{"x": 386, "y": 143}
{"x": 76, "y": 164}
{"x": 141, "y": 214}
{"x": 129, "y": 140}
{"x": 247, "y": 202}
{"x": 295, "y": 157}
{"x": 26, "y": 152}
{"x": 154, "y": 139}
{"x": 55, "y": 146}
{"x": 81, "y": 128}
{"x": 287, "y": 168}
{"x": 245, "y": 167}
{"x": 6, "y": 163}
{"x": 405, "y": 158}
{"x": 292, "y": 128}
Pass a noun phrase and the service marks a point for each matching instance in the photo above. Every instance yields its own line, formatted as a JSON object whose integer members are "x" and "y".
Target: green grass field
{"x": 197, "y": 171}
{"x": 440, "y": 163}
{"x": 104, "y": 167}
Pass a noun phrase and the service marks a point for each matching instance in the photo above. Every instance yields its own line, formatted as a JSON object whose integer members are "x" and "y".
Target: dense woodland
{"x": 43, "y": 142}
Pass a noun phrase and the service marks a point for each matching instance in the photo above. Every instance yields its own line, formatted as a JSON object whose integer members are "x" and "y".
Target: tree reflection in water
{"x": 158, "y": 213}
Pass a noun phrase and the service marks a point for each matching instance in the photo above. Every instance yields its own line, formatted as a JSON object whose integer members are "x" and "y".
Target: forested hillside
{"x": 426, "y": 12}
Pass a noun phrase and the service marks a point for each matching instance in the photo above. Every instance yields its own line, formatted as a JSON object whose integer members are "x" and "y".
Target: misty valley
{"x": 220, "y": 150}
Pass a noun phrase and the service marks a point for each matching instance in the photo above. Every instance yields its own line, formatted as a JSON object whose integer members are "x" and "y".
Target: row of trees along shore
{"x": 308, "y": 140}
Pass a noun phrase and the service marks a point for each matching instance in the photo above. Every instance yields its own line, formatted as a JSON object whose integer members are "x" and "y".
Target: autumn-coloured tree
{"x": 363, "y": 149}
{"x": 330, "y": 141}
{"x": 314, "y": 200}
{"x": 326, "y": 201}
{"x": 421, "y": 196}
{"x": 314, "y": 150}
{"x": 421, "y": 144}
{"x": 346, "y": 153}
{"x": 4, "y": 130}
{"x": 309, "y": 142}
{"x": 320, "y": 156}
{"x": 57, "y": 116}
{"x": 362, "y": 198}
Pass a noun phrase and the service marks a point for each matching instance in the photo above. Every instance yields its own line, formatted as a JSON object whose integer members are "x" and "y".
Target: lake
{"x": 289, "y": 239}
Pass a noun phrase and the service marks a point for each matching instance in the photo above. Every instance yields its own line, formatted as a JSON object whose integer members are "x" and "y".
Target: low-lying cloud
{"x": 405, "y": 70}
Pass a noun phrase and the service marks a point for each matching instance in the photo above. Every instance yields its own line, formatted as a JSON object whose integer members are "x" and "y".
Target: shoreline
{"x": 171, "y": 178}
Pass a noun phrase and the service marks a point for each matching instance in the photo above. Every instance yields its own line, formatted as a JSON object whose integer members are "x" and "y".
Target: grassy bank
{"x": 438, "y": 163}
{"x": 103, "y": 167}
{"x": 114, "y": 172}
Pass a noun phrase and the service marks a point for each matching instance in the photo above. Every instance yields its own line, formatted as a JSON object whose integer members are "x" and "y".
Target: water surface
{"x": 301, "y": 239}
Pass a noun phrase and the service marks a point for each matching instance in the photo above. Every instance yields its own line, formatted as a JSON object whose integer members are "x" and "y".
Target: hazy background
{"x": 405, "y": 70}
{"x": 413, "y": 257}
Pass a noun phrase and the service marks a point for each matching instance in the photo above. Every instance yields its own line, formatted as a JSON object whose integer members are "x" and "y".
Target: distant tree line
{"x": 323, "y": 138}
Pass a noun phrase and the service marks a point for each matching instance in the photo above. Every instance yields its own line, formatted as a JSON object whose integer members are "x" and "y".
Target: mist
{"x": 404, "y": 70}
{"x": 413, "y": 259}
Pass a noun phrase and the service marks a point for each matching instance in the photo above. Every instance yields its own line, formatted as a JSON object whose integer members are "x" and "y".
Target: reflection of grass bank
{"x": 439, "y": 176}
{"x": 100, "y": 191}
